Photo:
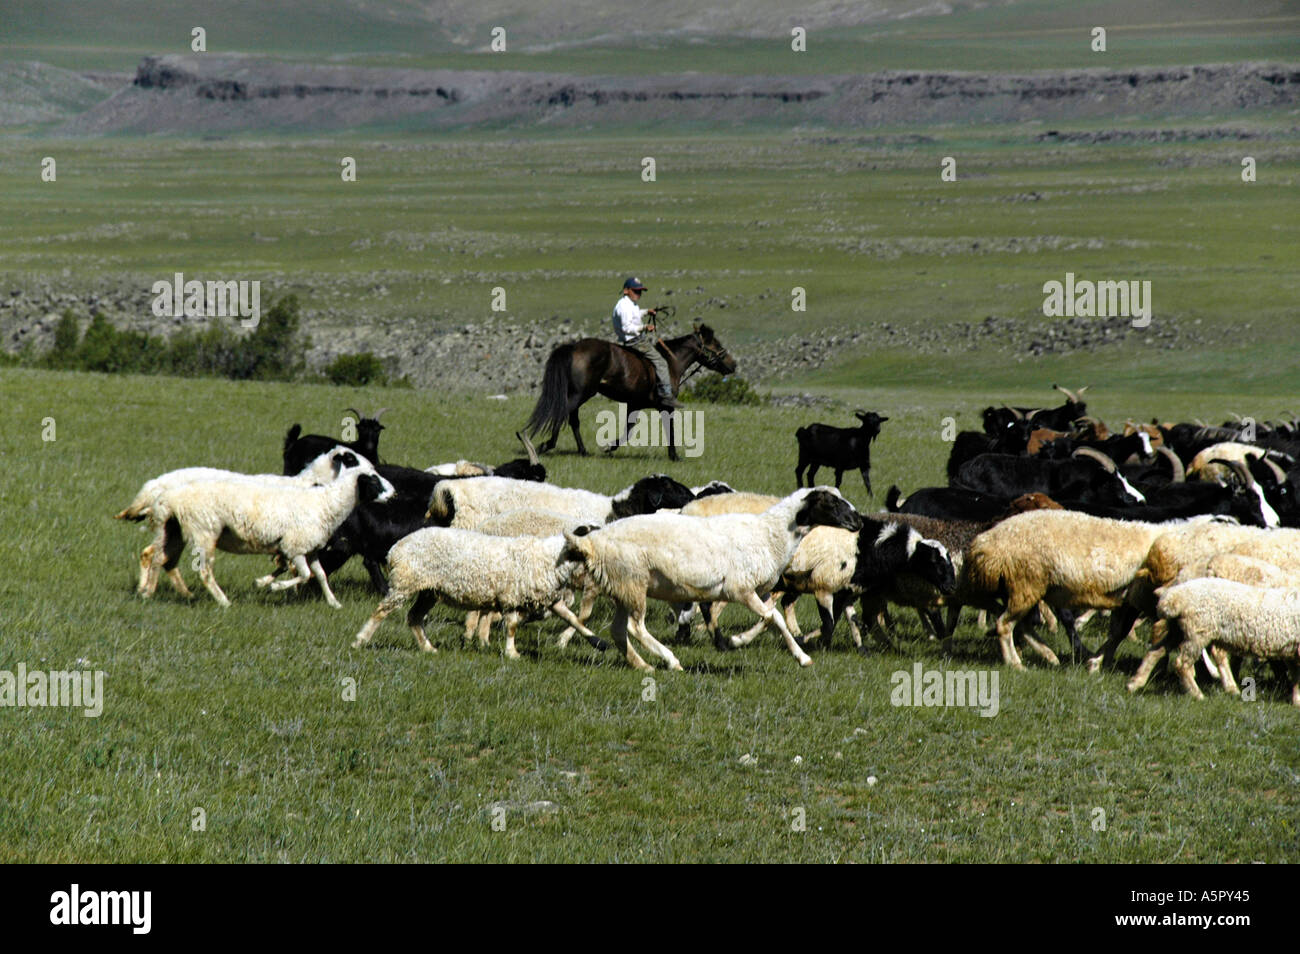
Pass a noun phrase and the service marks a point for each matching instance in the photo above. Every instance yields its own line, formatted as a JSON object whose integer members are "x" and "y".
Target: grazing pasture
{"x": 240, "y": 711}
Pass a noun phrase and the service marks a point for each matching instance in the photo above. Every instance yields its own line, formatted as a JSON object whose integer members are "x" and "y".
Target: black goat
{"x": 1096, "y": 480}
{"x": 840, "y": 448}
{"x": 301, "y": 449}
{"x": 947, "y": 503}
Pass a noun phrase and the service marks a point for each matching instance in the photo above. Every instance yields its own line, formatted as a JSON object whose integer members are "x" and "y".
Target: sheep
{"x": 735, "y": 502}
{"x": 1227, "y": 566}
{"x": 840, "y": 448}
{"x": 1067, "y": 559}
{"x": 242, "y": 517}
{"x": 1177, "y": 554}
{"x": 1236, "y": 617}
{"x": 532, "y": 523}
{"x": 146, "y": 505}
{"x": 467, "y": 503}
{"x": 835, "y": 564}
{"x": 516, "y": 576}
{"x": 679, "y": 558}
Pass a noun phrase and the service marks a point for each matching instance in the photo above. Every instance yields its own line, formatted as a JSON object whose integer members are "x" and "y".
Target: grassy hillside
{"x": 240, "y": 713}
{"x": 600, "y": 37}
{"x": 731, "y": 225}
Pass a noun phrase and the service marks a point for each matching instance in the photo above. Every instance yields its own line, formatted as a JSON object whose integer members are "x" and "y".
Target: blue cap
{"x": 634, "y": 284}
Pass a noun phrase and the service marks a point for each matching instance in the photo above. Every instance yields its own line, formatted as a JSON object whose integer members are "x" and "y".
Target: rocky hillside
{"x": 213, "y": 94}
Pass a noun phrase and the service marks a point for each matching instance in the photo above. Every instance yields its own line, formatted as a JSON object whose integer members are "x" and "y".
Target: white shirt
{"x": 627, "y": 319}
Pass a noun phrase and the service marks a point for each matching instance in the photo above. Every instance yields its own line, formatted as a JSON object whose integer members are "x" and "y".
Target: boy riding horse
{"x": 635, "y": 335}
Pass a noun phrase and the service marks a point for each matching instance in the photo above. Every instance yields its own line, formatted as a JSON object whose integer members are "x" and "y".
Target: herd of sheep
{"x": 1046, "y": 515}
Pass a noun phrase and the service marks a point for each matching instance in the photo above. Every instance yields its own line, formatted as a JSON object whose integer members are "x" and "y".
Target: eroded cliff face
{"x": 206, "y": 94}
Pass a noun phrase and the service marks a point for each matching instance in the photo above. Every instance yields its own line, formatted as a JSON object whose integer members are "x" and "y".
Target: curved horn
{"x": 1236, "y": 415}
{"x": 1084, "y": 388}
{"x": 1096, "y": 455}
{"x": 1238, "y": 468}
{"x": 1278, "y": 472}
{"x": 1018, "y": 415}
{"x": 375, "y": 416}
{"x": 528, "y": 446}
{"x": 355, "y": 411}
{"x": 1069, "y": 396}
{"x": 1199, "y": 423}
{"x": 1175, "y": 464}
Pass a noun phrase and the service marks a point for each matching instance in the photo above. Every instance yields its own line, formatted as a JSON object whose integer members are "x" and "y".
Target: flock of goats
{"x": 1047, "y": 514}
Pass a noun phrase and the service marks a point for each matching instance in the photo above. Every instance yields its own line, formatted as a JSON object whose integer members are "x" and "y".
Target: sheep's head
{"x": 931, "y": 561}
{"x": 824, "y": 507}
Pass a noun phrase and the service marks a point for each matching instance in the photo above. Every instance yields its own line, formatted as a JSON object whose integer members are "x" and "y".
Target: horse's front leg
{"x": 672, "y": 439}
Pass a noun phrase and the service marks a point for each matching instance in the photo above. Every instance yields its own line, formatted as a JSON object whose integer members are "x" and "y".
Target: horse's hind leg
{"x": 577, "y": 434}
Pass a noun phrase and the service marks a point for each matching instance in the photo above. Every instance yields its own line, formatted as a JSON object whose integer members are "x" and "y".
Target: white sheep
{"x": 532, "y": 523}
{"x": 515, "y": 576}
{"x": 1234, "y": 616}
{"x": 679, "y": 558}
{"x": 252, "y": 517}
{"x": 467, "y": 503}
{"x": 146, "y": 505}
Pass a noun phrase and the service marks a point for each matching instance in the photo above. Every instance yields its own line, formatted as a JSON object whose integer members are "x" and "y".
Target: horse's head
{"x": 711, "y": 352}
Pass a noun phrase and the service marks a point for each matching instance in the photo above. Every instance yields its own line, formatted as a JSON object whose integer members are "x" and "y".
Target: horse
{"x": 577, "y": 371}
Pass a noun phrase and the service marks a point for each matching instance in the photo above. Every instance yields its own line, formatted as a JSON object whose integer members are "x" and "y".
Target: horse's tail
{"x": 552, "y": 408}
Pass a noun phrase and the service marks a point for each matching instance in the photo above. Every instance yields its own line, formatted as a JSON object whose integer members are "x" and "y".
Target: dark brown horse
{"x": 578, "y": 371}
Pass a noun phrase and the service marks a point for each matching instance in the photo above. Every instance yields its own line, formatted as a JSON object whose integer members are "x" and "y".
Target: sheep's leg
{"x": 510, "y": 623}
{"x": 392, "y": 601}
{"x": 685, "y": 614}
{"x": 652, "y": 644}
{"x": 205, "y": 574}
{"x": 851, "y": 617}
{"x": 302, "y": 576}
{"x": 619, "y": 630}
{"x": 1041, "y": 648}
{"x": 585, "y": 606}
{"x": 485, "y": 623}
{"x": 1224, "y": 665}
{"x": 1148, "y": 665}
{"x": 1122, "y": 621}
{"x": 748, "y": 636}
{"x": 415, "y": 617}
{"x": 471, "y": 624}
{"x": 1006, "y": 627}
{"x": 828, "y": 614}
{"x": 1183, "y": 662}
{"x": 775, "y": 619}
{"x": 318, "y": 571}
{"x": 146, "y": 566}
{"x": 575, "y": 623}
{"x": 1293, "y": 672}
{"x": 711, "y": 613}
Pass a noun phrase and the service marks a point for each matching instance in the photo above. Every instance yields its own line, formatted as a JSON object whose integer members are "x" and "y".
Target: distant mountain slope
{"x": 208, "y": 94}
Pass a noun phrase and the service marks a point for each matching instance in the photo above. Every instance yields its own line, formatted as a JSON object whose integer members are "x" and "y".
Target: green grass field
{"x": 240, "y": 713}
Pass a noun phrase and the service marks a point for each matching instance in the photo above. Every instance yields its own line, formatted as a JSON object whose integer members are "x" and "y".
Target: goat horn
{"x": 1278, "y": 472}
{"x": 1068, "y": 394}
{"x": 1236, "y": 415}
{"x": 1019, "y": 416}
{"x": 528, "y": 446}
{"x": 1096, "y": 455}
{"x": 1201, "y": 424}
{"x": 1084, "y": 388}
{"x": 355, "y": 411}
{"x": 375, "y": 416}
{"x": 1175, "y": 464}
{"x": 1238, "y": 468}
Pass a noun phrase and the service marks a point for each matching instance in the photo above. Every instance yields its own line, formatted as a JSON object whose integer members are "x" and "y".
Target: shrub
{"x": 715, "y": 389}
{"x": 357, "y": 370}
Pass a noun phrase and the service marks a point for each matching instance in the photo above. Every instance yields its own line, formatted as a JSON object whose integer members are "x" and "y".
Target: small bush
{"x": 715, "y": 389}
{"x": 357, "y": 370}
